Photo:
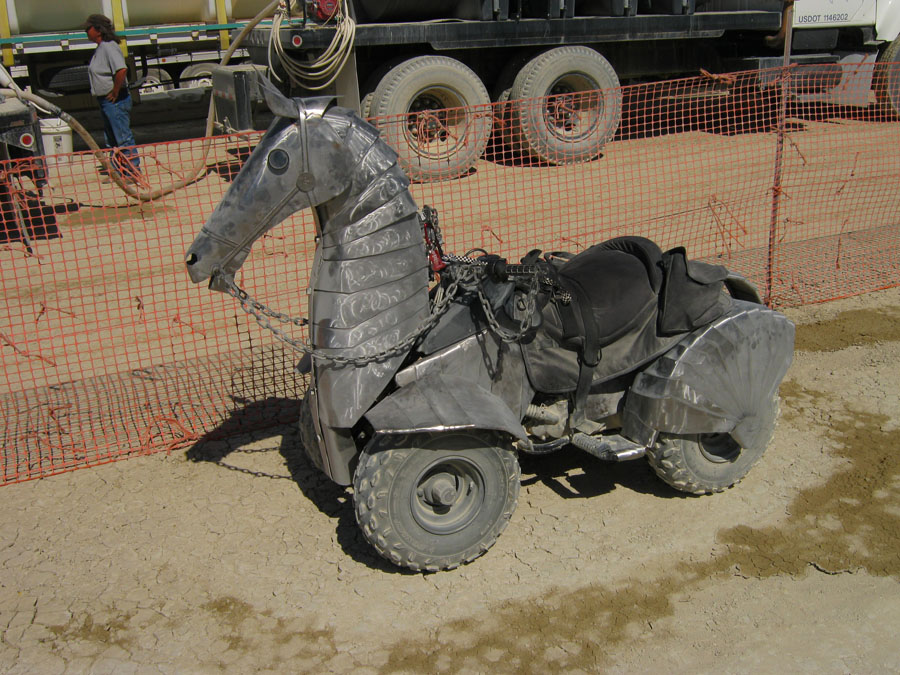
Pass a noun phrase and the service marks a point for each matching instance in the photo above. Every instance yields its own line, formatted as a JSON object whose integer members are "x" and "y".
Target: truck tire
{"x": 365, "y": 105}
{"x": 441, "y": 116}
{"x": 431, "y": 502}
{"x": 887, "y": 76}
{"x": 70, "y": 80}
{"x": 567, "y": 104}
{"x": 501, "y": 144}
{"x": 196, "y": 75}
{"x": 705, "y": 463}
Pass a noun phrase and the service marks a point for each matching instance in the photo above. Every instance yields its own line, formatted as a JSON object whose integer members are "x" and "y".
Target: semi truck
{"x": 170, "y": 47}
{"x": 435, "y": 60}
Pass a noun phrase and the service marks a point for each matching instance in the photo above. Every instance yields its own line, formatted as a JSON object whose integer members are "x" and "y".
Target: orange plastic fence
{"x": 109, "y": 351}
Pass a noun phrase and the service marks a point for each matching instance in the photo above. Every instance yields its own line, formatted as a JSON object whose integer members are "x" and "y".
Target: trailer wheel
{"x": 567, "y": 103}
{"x": 156, "y": 80}
{"x": 441, "y": 117}
{"x": 434, "y": 501}
{"x": 365, "y": 105}
{"x": 501, "y": 139}
{"x": 196, "y": 75}
{"x": 887, "y": 76}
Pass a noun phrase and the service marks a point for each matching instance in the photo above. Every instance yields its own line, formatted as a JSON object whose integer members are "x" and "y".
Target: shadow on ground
{"x": 573, "y": 474}
{"x": 271, "y": 426}
{"x": 246, "y": 431}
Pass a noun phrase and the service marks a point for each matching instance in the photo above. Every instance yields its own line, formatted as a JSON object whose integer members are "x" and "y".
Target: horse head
{"x": 300, "y": 162}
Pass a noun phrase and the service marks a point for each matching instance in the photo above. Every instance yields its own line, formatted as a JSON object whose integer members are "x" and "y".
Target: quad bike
{"x": 430, "y": 372}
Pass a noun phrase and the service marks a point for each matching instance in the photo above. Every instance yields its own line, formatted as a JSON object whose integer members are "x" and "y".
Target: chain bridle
{"x": 459, "y": 276}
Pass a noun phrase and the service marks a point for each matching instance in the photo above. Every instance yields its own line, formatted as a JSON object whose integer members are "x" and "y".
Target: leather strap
{"x": 580, "y": 334}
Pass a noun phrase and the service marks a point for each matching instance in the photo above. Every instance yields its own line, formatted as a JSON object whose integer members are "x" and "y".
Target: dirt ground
{"x": 239, "y": 557}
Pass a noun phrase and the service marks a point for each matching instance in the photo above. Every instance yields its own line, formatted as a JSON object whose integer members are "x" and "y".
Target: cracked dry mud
{"x": 237, "y": 556}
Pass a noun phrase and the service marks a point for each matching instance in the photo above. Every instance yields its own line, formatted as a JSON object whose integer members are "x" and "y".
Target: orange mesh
{"x": 109, "y": 351}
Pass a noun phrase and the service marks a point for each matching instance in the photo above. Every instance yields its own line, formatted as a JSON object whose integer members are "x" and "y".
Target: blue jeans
{"x": 117, "y": 132}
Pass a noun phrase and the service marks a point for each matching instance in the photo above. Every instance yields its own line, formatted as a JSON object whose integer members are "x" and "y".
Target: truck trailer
{"x": 167, "y": 43}
{"x": 435, "y": 60}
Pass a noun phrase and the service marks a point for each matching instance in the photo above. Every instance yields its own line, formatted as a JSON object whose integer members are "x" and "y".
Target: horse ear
{"x": 278, "y": 103}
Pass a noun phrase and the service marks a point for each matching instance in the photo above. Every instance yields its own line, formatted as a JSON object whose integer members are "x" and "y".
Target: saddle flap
{"x": 691, "y": 293}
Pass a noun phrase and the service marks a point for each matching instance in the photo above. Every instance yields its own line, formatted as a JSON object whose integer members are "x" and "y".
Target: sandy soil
{"x": 237, "y": 556}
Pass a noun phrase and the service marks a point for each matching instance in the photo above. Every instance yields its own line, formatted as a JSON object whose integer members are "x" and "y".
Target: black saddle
{"x": 630, "y": 303}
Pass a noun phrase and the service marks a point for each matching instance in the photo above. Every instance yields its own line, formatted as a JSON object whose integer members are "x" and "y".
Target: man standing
{"x": 108, "y": 73}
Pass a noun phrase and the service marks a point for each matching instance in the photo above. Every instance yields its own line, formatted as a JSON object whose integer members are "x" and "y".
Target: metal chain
{"x": 476, "y": 285}
{"x": 524, "y": 323}
{"x": 261, "y": 313}
{"x": 530, "y": 300}
{"x": 466, "y": 276}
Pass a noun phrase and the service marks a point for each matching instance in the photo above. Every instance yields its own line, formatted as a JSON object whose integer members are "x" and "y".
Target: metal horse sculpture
{"x": 369, "y": 279}
{"x": 420, "y": 399}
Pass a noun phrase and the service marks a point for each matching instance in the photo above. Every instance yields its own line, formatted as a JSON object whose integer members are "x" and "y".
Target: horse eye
{"x": 278, "y": 161}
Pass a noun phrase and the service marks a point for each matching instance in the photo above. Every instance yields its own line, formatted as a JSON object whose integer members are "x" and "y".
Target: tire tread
{"x": 384, "y": 102}
{"x": 375, "y": 472}
{"x": 668, "y": 459}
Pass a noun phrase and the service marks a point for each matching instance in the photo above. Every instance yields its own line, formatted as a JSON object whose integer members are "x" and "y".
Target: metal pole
{"x": 787, "y": 27}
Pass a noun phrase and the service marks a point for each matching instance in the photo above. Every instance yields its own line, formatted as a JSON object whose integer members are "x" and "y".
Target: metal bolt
{"x": 441, "y": 491}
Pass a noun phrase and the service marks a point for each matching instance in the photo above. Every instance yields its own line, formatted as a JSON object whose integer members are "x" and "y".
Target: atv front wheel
{"x": 434, "y": 501}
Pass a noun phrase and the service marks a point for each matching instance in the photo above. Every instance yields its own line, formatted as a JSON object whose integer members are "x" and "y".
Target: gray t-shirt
{"x": 105, "y": 63}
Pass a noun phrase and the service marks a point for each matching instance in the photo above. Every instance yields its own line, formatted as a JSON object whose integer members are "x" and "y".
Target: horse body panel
{"x": 370, "y": 275}
{"x": 351, "y": 391}
{"x": 400, "y": 207}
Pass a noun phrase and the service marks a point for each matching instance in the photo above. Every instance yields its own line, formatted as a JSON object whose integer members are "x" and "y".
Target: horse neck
{"x": 376, "y": 182}
{"x": 371, "y": 274}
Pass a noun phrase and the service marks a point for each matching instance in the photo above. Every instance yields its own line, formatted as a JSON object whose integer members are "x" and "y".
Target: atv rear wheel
{"x": 434, "y": 501}
{"x": 706, "y": 463}
{"x": 702, "y": 463}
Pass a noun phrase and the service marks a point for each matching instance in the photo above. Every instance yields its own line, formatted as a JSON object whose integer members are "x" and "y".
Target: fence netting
{"x": 109, "y": 350}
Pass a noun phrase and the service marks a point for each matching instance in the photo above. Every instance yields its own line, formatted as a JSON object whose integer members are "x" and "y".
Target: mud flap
{"x": 443, "y": 403}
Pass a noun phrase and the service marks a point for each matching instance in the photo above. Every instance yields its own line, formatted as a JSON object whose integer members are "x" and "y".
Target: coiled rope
{"x": 321, "y": 72}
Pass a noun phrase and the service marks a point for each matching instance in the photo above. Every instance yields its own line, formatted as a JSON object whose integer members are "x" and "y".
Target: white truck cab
{"x": 883, "y": 15}
{"x": 839, "y": 38}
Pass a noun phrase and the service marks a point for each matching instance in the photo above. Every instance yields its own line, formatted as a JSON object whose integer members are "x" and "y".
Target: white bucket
{"x": 57, "y": 138}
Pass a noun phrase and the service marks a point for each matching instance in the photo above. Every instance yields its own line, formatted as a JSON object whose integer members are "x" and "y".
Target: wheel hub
{"x": 719, "y": 448}
{"x": 440, "y": 490}
{"x": 572, "y": 107}
{"x": 561, "y": 107}
{"x": 448, "y": 495}
{"x": 428, "y": 121}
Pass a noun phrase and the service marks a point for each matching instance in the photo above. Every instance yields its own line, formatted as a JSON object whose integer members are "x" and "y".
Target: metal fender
{"x": 443, "y": 403}
{"x": 741, "y": 288}
{"x": 887, "y": 20}
{"x": 720, "y": 379}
